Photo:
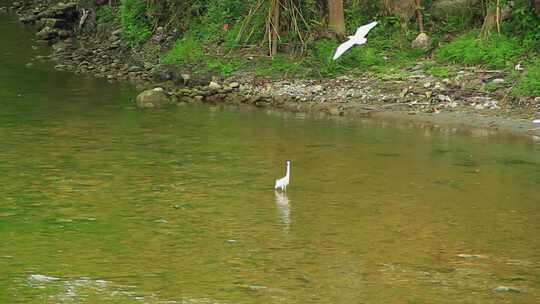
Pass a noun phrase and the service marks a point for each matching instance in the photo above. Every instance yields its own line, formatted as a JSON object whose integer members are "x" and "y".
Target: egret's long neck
{"x": 288, "y": 170}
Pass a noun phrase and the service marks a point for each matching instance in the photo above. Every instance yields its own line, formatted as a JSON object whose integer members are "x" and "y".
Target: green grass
{"x": 136, "y": 27}
{"x": 468, "y": 49}
{"x": 189, "y": 52}
{"x": 433, "y": 69}
{"x": 529, "y": 83}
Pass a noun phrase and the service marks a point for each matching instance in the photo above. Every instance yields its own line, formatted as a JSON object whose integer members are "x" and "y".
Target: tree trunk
{"x": 323, "y": 11}
{"x": 494, "y": 18}
{"x": 535, "y": 5}
{"x": 419, "y": 16}
{"x": 336, "y": 17}
{"x": 274, "y": 28}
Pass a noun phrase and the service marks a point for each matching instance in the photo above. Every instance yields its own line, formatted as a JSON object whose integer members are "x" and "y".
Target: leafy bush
{"x": 529, "y": 84}
{"x": 524, "y": 25}
{"x": 107, "y": 14}
{"x": 136, "y": 27}
{"x": 190, "y": 52}
{"x": 214, "y": 15}
{"x": 187, "y": 50}
{"x": 468, "y": 49}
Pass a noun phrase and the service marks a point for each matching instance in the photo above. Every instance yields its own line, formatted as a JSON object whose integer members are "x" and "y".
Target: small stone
{"x": 234, "y": 85}
{"x": 46, "y": 33}
{"x": 134, "y": 68}
{"x": 403, "y": 92}
{"x": 479, "y": 106}
{"x": 61, "y": 67}
{"x": 498, "y": 81}
{"x": 59, "y": 46}
{"x": 214, "y": 86}
{"x": 443, "y": 98}
{"x": 317, "y": 88}
{"x": 185, "y": 77}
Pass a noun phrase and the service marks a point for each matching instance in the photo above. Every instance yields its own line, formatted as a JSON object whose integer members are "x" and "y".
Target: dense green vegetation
{"x": 224, "y": 36}
{"x": 136, "y": 26}
{"x": 495, "y": 52}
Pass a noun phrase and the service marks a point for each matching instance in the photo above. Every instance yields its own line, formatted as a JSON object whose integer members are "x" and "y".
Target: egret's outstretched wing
{"x": 364, "y": 29}
{"x": 343, "y": 48}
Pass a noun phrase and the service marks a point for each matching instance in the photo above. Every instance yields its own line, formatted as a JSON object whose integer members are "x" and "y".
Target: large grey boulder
{"x": 422, "y": 41}
{"x": 445, "y": 9}
{"x": 153, "y": 98}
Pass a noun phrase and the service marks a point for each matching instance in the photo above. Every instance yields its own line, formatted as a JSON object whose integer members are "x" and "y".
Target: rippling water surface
{"x": 104, "y": 203}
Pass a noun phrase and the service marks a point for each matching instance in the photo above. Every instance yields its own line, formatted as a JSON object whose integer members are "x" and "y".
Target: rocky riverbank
{"x": 472, "y": 97}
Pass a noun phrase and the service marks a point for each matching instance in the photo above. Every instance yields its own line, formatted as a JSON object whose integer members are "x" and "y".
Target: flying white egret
{"x": 536, "y": 121}
{"x": 283, "y": 182}
{"x": 359, "y": 38}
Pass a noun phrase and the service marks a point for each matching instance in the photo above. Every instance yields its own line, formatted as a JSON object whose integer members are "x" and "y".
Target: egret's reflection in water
{"x": 282, "y": 203}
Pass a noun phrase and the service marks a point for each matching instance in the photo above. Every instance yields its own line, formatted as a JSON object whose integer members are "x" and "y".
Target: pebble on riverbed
{"x": 505, "y": 289}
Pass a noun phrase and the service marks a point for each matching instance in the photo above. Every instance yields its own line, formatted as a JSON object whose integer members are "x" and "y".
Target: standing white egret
{"x": 283, "y": 182}
{"x": 359, "y": 38}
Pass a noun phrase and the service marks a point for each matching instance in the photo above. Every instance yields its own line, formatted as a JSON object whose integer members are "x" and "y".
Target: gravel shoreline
{"x": 461, "y": 102}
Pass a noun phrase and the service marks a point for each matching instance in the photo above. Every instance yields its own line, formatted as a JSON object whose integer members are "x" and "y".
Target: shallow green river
{"x": 104, "y": 203}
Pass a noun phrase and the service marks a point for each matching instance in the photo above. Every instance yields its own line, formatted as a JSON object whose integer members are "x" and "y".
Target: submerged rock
{"x": 505, "y": 289}
{"x": 153, "y": 98}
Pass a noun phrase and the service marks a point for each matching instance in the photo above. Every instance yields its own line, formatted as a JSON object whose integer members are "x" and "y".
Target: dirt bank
{"x": 474, "y": 97}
